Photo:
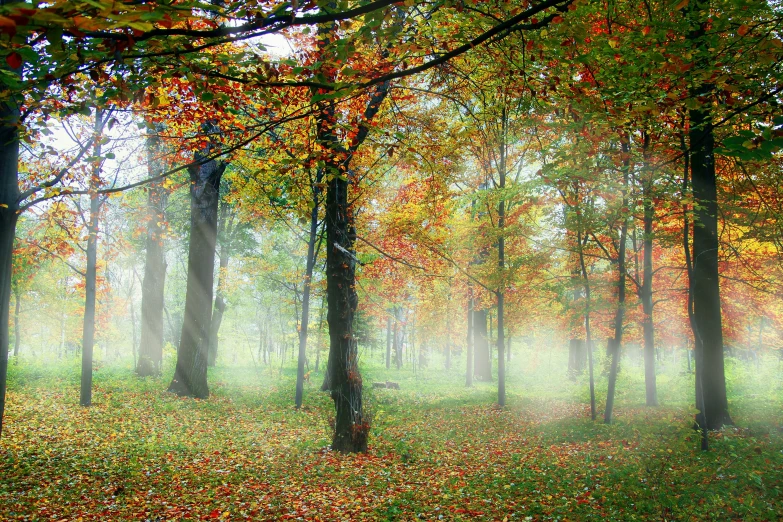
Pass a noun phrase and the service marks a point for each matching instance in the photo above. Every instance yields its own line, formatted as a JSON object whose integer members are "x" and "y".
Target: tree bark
{"x": 190, "y": 375}
{"x": 651, "y": 392}
{"x": 18, "y": 326}
{"x": 388, "y": 341}
{"x": 616, "y": 342}
{"x": 501, "y": 291}
{"x": 309, "y": 265}
{"x": 154, "y": 281}
{"x": 9, "y": 213}
{"x": 351, "y": 429}
{"x": 88, "y": 332}
{"x": 714, "y": 406}
{"x": 588, "y": 333}
{"x": 469, "y": 371}
{"x": 397, "y": 340}
{"x": 482, "y": 370}
{"x": 225, "y": 234}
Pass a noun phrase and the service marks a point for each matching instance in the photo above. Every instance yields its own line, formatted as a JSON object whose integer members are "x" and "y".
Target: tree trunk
{"x": 448, "y": 354}
{"x": 397, "y": 341}
{"x": 88, "y": 332}
{"x": 651, "y": 392}
{"x": 18, "y": 326}
{"x": 588, "y": 333}
{"x": 501, "y": 291}
{"x": 617, "y": 341}
{"x": 9, "y": 206}
{"x": 310, "y": 263}
{"x": 469, "y": 372}
{"x": 388, "y": 341}
{"x": 134, "y": 340}
{"x": 225, "y": 236}
{"x": 190, "y": 375}
{"x": 482, "y": 370}
{"x": 706, "y": 288}
{"x": 576, "y": 357}
{"x": 154, "y": 282}
{"x": 351, "y": 429}
{"x": 63, "y": 350}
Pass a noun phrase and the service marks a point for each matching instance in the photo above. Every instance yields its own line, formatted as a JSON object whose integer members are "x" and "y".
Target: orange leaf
{"x": 7, "y": 25}
{"x": 743, "y": 30}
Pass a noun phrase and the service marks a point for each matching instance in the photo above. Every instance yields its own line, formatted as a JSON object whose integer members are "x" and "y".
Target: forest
{"x": 391, "y": 260}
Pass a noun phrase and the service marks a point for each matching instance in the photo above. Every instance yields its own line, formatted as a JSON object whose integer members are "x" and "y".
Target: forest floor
{"x": 437, "y": 450}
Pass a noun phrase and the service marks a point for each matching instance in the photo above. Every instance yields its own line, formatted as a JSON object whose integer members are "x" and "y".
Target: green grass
{"x": 437, "y": 448}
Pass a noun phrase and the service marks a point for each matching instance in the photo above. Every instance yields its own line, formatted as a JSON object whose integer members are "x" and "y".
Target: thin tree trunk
{"x": 310, "y": 264}
{"x": 18, "y": 326}
{"x": 190, "y": 375}
{"x": 154, "y": 282}
{"x": 88, "y": 332}
{"x": 616, "y": 342}
{"x": 134, "y": 340}
{"x": 225, "y": 236}
{"x": 501, "y": 291}
{"x": 469, "y": 371}
{"x": 397, "y": 342}
{"x": 388, "y": 341}
{"x": 588, "y": 338}
{"x": 62, "y": 351}
{"x": 651, "y": 392}
{"x": 482, "y": 370}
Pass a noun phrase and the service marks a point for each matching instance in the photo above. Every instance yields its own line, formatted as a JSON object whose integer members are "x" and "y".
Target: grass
{"x": 438, "y": 450}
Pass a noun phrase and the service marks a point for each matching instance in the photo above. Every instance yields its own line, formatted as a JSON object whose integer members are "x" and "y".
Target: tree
{"x": 190, "y": 375}
{"x": 226, "y": 228}
{"x": 711, "y": 397}
{"x": 96, "y": 202}
{"x": 154, "y": 282}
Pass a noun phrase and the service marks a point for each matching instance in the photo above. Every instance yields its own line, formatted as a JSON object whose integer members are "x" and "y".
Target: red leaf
{"x": 14, "y": 60}
{"x": 215, "y": 513}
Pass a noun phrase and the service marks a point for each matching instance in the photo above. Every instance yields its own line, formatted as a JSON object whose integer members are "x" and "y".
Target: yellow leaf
{"x": 683, "y": 3}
